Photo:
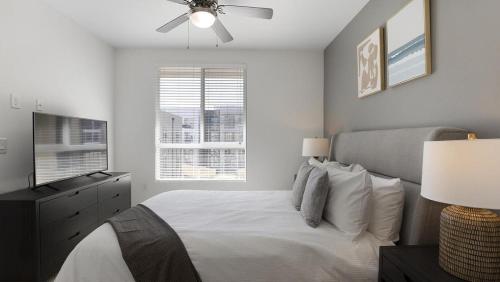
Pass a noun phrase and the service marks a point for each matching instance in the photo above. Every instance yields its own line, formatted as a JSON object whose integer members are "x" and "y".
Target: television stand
{"x": 101, "y": 172}
{"x": 46, "y": 185}
{"x": 32, "y": 222}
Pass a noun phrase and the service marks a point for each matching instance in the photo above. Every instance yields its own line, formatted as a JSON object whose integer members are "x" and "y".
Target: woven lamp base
{"x": 469, "y": 243}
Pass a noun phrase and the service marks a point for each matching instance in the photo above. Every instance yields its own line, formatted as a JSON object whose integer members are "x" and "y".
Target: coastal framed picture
{"x": 371, "y": 72}
{"x": 409, "y": 43}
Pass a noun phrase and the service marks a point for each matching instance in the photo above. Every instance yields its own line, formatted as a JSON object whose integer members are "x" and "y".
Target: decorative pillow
{"x": 315, "y": 195}
{"x": 387, "y": 209}
{"x": 314, "y": 162}
{"x": 299, "y": 185}
{"x": 349, "y": 199}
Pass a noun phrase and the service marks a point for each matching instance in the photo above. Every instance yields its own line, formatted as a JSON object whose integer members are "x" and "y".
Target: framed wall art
{"x": 409, "y": 43}
{"x": 371, "y": 72}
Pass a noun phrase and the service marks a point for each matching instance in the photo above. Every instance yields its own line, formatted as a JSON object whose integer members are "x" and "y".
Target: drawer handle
{"x": 74, "y": 236}
{"x": 116, "y": 196}
{"x": 75, "y": 214}
{"x": 74, "y": 194}
{"x": 116, "y": 211}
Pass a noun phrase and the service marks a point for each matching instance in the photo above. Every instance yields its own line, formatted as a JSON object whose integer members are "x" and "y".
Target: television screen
{"x": 66, "y": 147}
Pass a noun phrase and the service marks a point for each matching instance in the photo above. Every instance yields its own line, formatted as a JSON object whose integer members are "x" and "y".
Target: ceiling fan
{"x": 204, "y": 14}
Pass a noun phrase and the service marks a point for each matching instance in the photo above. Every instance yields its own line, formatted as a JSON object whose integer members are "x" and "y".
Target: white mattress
{"x": 236, "y": 236}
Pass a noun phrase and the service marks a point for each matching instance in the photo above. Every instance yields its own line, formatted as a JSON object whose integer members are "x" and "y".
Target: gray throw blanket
{"x": 151, "y": 248}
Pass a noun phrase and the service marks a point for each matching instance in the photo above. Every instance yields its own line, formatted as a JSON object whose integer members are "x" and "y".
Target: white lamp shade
{"x": 315, "y": 147}
{"x": 464, "y": 172}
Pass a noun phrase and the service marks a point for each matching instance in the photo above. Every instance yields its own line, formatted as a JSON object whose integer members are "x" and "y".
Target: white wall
{"x": 45, "y": 55}
{"x": 284, "y": 104}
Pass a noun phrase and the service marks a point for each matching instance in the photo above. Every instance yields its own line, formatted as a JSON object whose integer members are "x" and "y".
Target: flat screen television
{"x": 67, "y": 147}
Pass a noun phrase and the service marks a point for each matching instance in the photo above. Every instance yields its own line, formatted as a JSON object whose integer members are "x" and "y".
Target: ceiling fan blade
{"x": 254, "y": 12}
{"x": 174, "y": 23}
{"x": 182, "y": 2}
{"x": 221, "y": 31}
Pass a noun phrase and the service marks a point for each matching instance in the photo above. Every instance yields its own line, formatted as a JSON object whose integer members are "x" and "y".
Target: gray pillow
{"x": 300, "y": 184}
{"x": 314, "y": 198}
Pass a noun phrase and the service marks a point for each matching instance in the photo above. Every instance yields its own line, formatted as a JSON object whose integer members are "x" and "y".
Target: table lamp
{"x": 466, "y": 174}
{"x": 315, "y": 147}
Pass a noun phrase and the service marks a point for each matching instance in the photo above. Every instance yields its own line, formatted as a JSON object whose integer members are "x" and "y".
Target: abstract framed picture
{"x": 371, "y": 64}
{"x": 409, "y": 43}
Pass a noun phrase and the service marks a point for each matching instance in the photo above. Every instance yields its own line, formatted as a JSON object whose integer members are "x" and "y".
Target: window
{"x": 201, "y": 124}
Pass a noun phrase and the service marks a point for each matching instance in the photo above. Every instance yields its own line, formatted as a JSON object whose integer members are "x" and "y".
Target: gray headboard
{"x": 398, "y": 153}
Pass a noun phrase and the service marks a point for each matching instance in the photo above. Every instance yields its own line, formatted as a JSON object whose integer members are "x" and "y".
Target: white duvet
{"x": 236, "y": 236}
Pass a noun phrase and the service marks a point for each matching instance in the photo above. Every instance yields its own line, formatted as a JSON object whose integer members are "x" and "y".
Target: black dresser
{"x": 38, "y": 229}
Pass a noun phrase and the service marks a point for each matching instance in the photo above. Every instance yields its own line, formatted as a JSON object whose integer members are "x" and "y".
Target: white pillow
{"x": 349, "y": 199}
{"x": 387, "y": 209}
{"x": 357, "y": 168}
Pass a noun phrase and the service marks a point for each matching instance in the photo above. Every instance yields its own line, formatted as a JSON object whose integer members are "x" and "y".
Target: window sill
{"x": 203, "y": 180}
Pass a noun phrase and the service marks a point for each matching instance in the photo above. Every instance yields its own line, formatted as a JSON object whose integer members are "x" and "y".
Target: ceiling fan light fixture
{"x": 204, "y": 14}
{"x": 203, "y": 17}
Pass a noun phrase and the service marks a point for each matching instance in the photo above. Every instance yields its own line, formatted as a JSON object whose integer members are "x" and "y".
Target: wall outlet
{"x": 14, "y": 102}
{"x": 3, "y": 146}
{"x": 39, "y": 105}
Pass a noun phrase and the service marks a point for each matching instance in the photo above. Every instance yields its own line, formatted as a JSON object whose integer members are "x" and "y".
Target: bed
{"x": 259, "y": 236}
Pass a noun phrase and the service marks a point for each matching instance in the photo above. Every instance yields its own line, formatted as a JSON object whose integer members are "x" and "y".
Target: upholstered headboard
{"x": 398, "y": 153}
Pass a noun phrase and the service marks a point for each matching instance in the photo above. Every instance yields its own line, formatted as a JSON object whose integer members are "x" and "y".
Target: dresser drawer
{"x": 53, "y": 257}
{"x": 114, "y": 206}
{"x": 114, "y": 188}
{"x": 67, "y": 205}
{"x": 63, "y": 229}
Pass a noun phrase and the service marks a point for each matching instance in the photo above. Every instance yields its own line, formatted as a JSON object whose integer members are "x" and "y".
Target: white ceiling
{"x": 297, "y": 24}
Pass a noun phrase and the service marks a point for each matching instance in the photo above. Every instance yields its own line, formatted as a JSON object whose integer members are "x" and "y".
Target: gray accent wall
{"x": 463, "y": 90}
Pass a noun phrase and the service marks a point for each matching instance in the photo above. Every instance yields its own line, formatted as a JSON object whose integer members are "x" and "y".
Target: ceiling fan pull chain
{"x": 189, "y": 28}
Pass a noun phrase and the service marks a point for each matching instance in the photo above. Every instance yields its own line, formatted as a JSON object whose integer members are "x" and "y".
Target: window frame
{"x": 202, "y": 144}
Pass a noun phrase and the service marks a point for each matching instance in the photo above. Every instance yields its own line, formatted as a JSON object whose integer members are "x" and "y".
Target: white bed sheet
{"x": 236, "y": 236}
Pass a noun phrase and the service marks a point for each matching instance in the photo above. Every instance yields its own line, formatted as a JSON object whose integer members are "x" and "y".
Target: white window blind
{"x": 201, "y": 124}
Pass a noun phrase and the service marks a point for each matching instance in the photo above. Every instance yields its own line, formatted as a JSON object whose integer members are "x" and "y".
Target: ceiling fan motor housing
{"x": 203, "y": 9}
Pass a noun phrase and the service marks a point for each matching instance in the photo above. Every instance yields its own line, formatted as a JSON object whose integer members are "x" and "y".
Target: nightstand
{"x": 411, "y": 264}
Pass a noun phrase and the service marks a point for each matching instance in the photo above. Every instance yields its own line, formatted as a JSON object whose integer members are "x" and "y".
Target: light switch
{"x": 3, "y": 146}
{"x": 14, "y": 102}
{"x": 39, "y": 105}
